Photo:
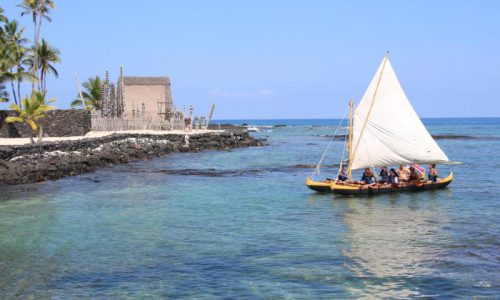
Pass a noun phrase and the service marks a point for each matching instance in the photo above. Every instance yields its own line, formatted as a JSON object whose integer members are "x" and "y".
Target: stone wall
{"x": 48, "y": 161}
{"x": 71, "y": 122}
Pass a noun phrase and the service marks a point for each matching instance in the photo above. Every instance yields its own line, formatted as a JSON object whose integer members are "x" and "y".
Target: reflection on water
{"x": 390, "y": 240}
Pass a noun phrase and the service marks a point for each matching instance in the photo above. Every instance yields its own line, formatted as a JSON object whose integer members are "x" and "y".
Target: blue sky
{"x": 284, "y": 59}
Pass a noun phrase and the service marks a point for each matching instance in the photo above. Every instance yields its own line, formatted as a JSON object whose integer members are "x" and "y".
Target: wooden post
{"x": 80, "y": 91}
{"x": 196, "y": 123}
{"x": 143, "y": 116}
{"x": 191, "y": 109}
{"x": 210, "y": 114}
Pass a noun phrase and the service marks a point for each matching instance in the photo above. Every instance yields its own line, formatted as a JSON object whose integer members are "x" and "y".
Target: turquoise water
{"x": 242, "y": 224}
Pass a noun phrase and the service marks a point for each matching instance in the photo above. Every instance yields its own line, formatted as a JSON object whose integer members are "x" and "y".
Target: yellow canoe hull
{"x": 356, "y": 189}
{"x": 344, "y": 188}
{"x": 319, "y": 186}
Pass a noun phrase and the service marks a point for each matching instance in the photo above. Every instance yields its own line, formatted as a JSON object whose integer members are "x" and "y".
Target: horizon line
{"x": 269, "y": 119}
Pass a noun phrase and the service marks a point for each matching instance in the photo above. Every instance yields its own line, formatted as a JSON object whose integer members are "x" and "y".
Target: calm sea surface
{"x": 242, "y": 224}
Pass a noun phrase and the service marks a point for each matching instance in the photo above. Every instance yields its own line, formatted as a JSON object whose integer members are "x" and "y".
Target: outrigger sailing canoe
{"x": 385, "y": 130}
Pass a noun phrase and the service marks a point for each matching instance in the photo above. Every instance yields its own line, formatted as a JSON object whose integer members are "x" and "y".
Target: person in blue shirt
{"x": 393, "y": 178}
{"x": 384, "y": 175}
{"x": 342, "y": 175}
{"x": 433, "y": 174}
{"x": 368, "y": 177}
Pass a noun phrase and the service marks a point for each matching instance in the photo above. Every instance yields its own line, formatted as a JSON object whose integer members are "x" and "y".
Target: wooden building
{"x": 149, "y": 94}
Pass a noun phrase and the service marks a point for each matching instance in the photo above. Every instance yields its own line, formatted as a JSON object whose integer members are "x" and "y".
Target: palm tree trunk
{"x": 40, "y": 134}
{"x": 38, "y": 33}
{"x": 40, "y": 87}
{"x": 19, "y": 91}
{"x": 32, "y": 140}
{"x": 40, "y": 71}
{"x": 35, "y": 57}
{"x": 13, "y": 91}
{"x": 44, "y": 81}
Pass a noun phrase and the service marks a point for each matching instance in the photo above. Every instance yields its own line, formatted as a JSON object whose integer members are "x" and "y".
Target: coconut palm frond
{"x": 33, "y": 109}
{"x": 14, "y": 120}
{"x": 76, "y": 103}
{"x": 16, "y": 108}
{"x": 91, "y": 94}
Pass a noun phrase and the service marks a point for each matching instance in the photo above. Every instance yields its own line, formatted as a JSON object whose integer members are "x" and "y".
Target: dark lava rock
{"x": 53, "y": 160}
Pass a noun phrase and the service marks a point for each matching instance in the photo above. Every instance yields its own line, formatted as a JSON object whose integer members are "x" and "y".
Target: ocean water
{"x": 242, "y": 224}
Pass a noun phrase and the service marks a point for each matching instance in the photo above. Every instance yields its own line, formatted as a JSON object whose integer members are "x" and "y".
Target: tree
{"x": 38, "y": 9}
{"x": 2, "y": 17}
{"x": 5, "y": 74}
{"x": 14, "y": 43}
{"x": 4, "y": 95}
{"x": 34, "y": 109}
{"x": 4, "y": 62}
{"x": 47, "y": 56}
{"x": 91, "y": 94}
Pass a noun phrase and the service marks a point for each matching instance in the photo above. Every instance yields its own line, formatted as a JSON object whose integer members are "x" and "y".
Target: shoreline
{"x": 50, "y": 160}
{"x": 100, "y": 134}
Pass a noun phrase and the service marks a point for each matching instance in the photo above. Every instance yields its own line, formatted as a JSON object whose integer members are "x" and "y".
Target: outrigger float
{"x": 384, "y": 130}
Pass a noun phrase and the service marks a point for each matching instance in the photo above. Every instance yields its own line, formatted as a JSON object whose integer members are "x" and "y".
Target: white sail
{"x": 386, "y": 129}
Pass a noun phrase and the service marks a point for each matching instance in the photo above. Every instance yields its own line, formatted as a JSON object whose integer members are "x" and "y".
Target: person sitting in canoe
{"x": 420, "y": 170}
{"x": 403, "y": 173}
{"x": 368, "y": 177}
{"x": 383, "y": 175}
{"x": 393, "y": 178}
{"x": 342, "y": 175}
{"x": 414, "y": 176}
{"x": 433, "y": 174}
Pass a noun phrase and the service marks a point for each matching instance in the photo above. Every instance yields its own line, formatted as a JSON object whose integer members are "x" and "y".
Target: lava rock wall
{"x": 60, "y": 122}
{"x": 48, "y": 161}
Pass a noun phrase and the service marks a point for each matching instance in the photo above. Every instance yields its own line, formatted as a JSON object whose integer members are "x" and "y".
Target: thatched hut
{"x": 151, "y": 94}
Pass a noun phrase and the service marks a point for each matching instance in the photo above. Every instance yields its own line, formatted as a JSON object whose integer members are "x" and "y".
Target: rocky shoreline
{"x": 49, "y": 161}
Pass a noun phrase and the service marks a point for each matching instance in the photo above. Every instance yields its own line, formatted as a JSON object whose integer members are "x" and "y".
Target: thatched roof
{"x": 135, "y": 80}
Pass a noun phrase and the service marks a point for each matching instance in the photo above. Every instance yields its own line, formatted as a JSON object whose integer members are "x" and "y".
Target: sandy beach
{"x": 98, "y": 134}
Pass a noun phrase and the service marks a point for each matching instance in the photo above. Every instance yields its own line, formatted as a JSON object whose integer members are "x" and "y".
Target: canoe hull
{"x": 367, "y": 190}
{"x": 319, "y": 186}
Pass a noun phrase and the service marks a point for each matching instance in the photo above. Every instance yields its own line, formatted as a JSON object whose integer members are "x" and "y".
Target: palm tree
{"x": 2, "y": 17}
{"x": 46, "y": 57}
{"x": 35, "y": 108}
{"x": 4, "y": 95}
{"x": 21, "y": 60}
{"x": 91, "y": 94}
{"x": 38, "y": 9}
{"x": 14, "y": 40}
{"x": 4, "y": 62}
{"x": 5, "y": 74}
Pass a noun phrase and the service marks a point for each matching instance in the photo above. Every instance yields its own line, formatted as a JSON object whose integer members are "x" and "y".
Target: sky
{"x": 283, "y": 59}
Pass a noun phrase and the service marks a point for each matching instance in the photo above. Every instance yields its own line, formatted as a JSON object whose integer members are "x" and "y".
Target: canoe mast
{"x": 349, "y": 143}
{"x": 349, "y": 169}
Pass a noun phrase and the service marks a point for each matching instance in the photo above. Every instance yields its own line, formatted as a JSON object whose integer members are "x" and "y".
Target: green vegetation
{"x": 38, "y": 10}
{"x": 33, "y": 109}
{"x": 17, "y": 57}
{"x": 46, "y": 57}
{"x": 91, "y": 94}
{"x": 19, "y": 62}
